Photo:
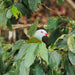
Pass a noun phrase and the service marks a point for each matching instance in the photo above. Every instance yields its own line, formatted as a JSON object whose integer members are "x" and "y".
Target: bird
{"x": 39, "y": 36}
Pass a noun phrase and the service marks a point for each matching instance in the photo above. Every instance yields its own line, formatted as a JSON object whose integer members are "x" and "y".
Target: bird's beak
{"x": 46, "y": 35}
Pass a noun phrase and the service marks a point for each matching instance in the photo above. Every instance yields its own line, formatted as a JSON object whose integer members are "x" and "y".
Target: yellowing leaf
{"x": 71, "y": 43}
{"x": 15, "y": 11}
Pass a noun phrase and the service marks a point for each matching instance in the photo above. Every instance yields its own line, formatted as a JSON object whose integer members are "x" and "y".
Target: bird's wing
{"x": 33, "y": 40}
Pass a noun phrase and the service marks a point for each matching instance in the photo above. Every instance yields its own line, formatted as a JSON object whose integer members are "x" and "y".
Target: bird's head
{"x": 40, "y": 34}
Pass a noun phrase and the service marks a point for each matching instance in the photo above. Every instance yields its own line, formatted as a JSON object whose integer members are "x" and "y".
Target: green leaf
{"x": 9, "y": 14}
{"x": 37, "y": 70}
{"x": 33, "y": 28}
{"x": 22, "y": 52}
{"x": 31, "y": 55}
{"x": 71, "y": 57}
{"x": 26, "y": 2}
{"x": 1, "y": 61}
{"x": 17, "y": 70}
{"x": 3, "y": 18}
{"x": 71, "y": 43}
{"x": 72, "y": 33}
{"x": 7, "y": 47}
{"x": 43, "y": 52}
{"x": 21, "y": 8}
{"x": 23, "y": 70}
{"x": 15, "y": 11}
{"x": 33, "y": 4}
{"x": 52, "y": 22}
{"x": 2, "y": 5}
{"x": 10, "y": 73}
{"x": 54, "y": 60}
{"x": 1, "y": 51}
{"x": 61, "y": 42}
{"x": 59, "y": 1}
{"x": 69, "y": 68}
{"x": 18, "y": 44}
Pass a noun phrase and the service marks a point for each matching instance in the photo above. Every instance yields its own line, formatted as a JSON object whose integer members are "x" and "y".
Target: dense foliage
{"x": 22, "y": 58}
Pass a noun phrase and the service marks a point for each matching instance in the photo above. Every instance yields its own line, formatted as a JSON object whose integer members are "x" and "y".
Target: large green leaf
{"x": 31, "y": 54}
{"x": 43, "y": 52}
{"x": 22, "y": 52}
{"x": 37, "y": 70}
{"x": 52, "y": 23}
{"x": 33, "y": 28}
{"x": 23, "y": 70}
{"x": 3, "y": 18}
{"x": 71, "y": 43}
{"x": 71, "y": 57}
{"x": 18, "y": 44}
{"x": 54, "y": 59}
{"x": 33, "y": 4}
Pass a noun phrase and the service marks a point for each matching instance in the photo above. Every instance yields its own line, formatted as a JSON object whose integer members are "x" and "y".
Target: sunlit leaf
{"x": 15, "y": 11}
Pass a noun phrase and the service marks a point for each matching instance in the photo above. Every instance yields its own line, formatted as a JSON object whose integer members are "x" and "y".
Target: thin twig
{"x": 51, "y": 9}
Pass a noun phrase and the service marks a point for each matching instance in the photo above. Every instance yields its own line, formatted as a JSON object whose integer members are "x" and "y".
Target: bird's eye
{"x": 41, "y": 31}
